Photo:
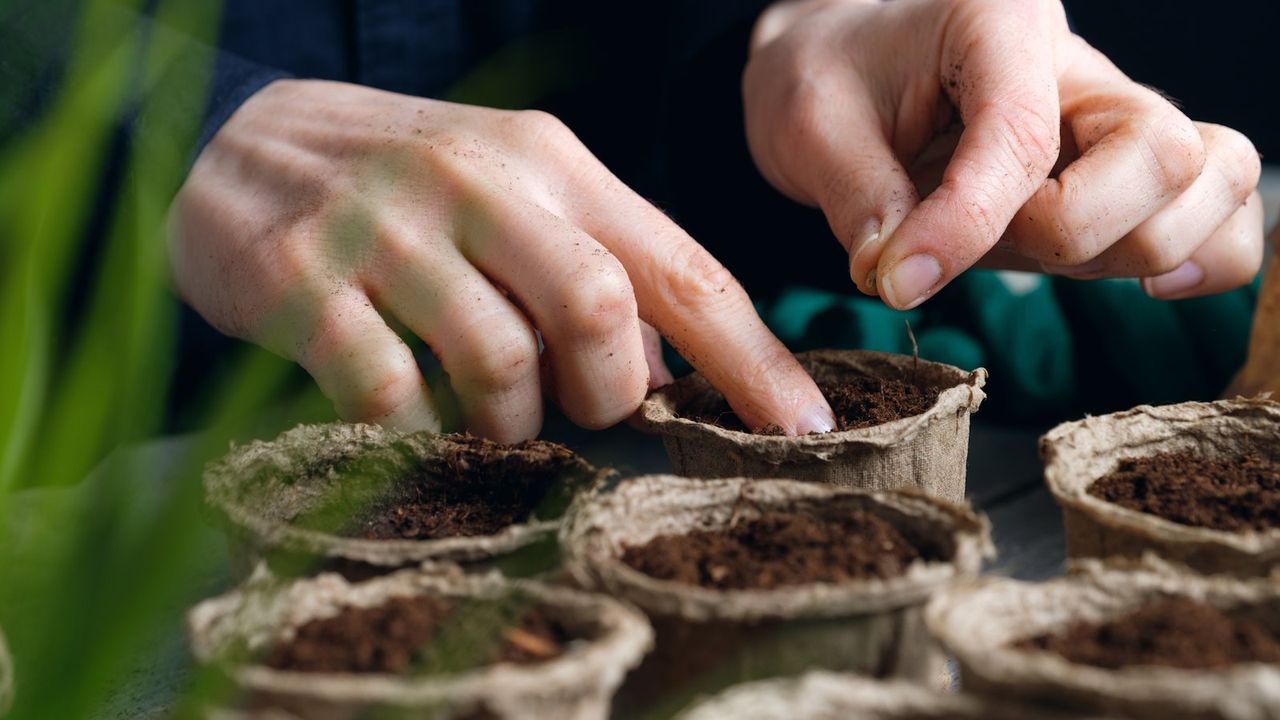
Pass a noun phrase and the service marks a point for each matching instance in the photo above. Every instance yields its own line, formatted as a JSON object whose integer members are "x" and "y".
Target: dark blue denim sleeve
{"x": 233, "y": 82}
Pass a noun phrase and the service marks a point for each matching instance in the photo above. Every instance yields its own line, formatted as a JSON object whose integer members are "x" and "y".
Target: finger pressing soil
{"x": 858, "y": 401}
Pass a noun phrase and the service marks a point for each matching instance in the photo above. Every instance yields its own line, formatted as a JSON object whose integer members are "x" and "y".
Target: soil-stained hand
{"x": 1063, "y": 164}
{"x": 321, "y": 211}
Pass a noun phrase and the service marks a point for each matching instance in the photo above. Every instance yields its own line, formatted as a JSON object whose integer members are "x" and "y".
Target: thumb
{"x": 1000, "y": 73}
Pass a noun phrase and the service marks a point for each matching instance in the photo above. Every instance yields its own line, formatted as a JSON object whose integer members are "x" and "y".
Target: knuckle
{"x": 1032, "y": 139}
{"x": 1176, "y": 152}
{"x": 492, "y": 361}
{"x": 538, "y": 127}
{"x": 600, "y": 302}
{"x": 392, "y": 383}
{"x": 1242, "y": 164}
{"x": 693, "y": 277}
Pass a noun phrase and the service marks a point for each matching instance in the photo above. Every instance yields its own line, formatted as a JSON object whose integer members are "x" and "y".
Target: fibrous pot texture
{"x": 985, "y": 624}
{"x": 294, "y": 496}
{"x": 249, "y": 621}
{"x": 925, "y": 452}
{"x": 1078, "y": 454}
{"x": 708, "y": 638}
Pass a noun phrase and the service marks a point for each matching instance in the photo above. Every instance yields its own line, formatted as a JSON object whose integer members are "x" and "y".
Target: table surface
{"x": 1004, "y": 481}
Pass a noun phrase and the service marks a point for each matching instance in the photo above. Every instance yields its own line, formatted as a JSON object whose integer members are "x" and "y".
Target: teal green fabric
{"x": 1055, "y": 347}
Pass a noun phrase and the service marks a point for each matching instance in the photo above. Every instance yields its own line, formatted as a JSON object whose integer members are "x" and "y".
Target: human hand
{"x": 1063, "y": 165}
{"x": 320, "y": 211}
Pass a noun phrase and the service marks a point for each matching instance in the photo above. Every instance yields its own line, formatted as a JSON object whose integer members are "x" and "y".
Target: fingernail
{"x": 869, "y": 242}
{"x": 818, "y": 419}
{"x": 1177, "y": 282}
{"x": 911, "y": 281}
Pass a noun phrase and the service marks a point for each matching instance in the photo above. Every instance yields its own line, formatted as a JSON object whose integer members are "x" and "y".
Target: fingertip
{"x": 415, "y": 414}
{"x": 910, "y": 281}
{"x": 816, "y": 419}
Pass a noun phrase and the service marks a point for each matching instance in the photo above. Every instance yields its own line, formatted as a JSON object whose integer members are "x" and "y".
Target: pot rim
{"x": 224, "y": 476}
{"x": 271, "y": 607}
{"x": 962, "y": 617}
{"x": 1060, "y": 450}
{"x": 592, "y": 557}
{"x": 659, "y": 410}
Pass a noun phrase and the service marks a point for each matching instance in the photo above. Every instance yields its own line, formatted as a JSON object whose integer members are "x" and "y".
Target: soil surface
{"x": 1235, "y": 494}
{"x": 394, "y": 638}
{"x": 858, "y": 401}
{"x": 1176, "y": 632}
{"x": 477, "y": 488}
{"x": 779, "y": 549}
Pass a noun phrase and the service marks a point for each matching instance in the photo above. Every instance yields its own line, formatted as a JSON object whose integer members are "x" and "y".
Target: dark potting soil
{"x": 1176, "y": 632}
{"x": 779, "y": 549}
{"x": 478, "y": 488}
{"x": 397, "y": 636}
{"x": 1232, "y": 494}
{"x": 858, "y": 401}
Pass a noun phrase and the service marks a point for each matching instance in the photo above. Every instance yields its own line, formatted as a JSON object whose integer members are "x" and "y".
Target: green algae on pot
{"x": 720, "y": 631}
{"x": 1081, "y": 457}
{"x": 924, "y": 450}
{"x": 826, "y": 695}
{"x": 360, "y": 498}
{"x": 451, "y": 674}
{"x": 994, "y": 628}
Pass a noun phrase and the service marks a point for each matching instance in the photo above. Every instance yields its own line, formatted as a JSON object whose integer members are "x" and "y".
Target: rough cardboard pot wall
{"x": 927, "y": 452}
{"x": 1078, "y": 453}
{"x": 977, "y": 623}
{"x": 577, "y": 685}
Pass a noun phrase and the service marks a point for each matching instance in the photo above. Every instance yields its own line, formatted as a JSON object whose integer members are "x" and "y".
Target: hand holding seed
{"x": 321, "y": 212}
{"x": 1063, "y": 164}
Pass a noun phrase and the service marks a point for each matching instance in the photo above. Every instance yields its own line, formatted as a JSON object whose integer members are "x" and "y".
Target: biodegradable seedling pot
{"x": 575, "y": 685}
{"x": 1261, "y": 371}
{"x": 826, "y": 696}
{"x": 709, "y": 638}
{"x": 1078, "y": 454}
{"x": 982, "y": 623}
{"x": 925, "y": 452}
{"x": 293, "y": 499}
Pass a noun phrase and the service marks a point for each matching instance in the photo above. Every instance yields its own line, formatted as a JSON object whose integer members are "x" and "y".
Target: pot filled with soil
{"x": 902, "y": 422}
{"x": 361, "y": 499}
{"x": 1261, "y": 371}
{"x": 1198, "y": 483}
{"x": 745, "y": 579}
{"x": 419, "y": 644}
{"x": 1139, "y": 640}
{"x": 825, "y": 696}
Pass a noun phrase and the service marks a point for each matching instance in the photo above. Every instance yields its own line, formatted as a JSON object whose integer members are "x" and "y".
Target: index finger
{"x": 1000, "y": 71}
{"x": 702, "y": 310}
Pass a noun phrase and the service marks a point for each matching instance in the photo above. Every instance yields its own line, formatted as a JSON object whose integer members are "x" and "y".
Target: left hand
{"x": 1064, "y": 164}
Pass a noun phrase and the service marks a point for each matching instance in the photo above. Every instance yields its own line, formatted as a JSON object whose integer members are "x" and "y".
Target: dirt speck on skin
{"x": 1176, "y": 632}
{"x": 780, "y": 549}
{"x": 1234, "y": 494}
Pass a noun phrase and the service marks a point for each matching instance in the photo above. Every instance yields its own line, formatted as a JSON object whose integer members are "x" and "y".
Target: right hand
{"x": 321, "y": 208}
